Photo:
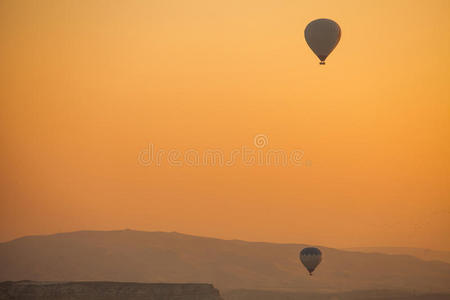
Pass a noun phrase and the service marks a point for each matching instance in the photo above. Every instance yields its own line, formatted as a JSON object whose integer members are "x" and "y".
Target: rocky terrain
{"x": 32, "y": 290}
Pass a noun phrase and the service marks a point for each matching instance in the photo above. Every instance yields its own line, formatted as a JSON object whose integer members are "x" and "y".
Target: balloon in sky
{"x": 310, "y": 258}
{"x": 322, "y": 36}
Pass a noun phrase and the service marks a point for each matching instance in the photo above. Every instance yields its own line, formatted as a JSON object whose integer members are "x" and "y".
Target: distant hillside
{"x": 228, "y": 264}
{"x": 425, "y": 254}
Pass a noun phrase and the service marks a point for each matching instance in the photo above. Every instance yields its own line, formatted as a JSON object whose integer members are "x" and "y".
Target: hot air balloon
{"x": 322, "y": 36}
{"x": 310, "y": 258}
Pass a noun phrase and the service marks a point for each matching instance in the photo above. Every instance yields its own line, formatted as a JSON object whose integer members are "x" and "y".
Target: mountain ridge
{"x": 421, "y": 253}
{"x": 140, "y": 256}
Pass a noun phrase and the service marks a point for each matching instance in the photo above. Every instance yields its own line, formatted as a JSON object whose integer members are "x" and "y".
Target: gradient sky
{"x": 87, "y": 85}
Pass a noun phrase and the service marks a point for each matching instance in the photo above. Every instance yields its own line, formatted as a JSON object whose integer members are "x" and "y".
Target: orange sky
{"x": 87, "y": 85}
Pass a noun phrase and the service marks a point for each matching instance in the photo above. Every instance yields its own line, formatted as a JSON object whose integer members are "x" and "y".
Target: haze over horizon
{"x": 85, "y": 87}
{"x": 421, "y": 253}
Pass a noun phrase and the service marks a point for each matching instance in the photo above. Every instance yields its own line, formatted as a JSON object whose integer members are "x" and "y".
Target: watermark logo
{"x": 259, "y": 154}
{"x": 260, "y": 140}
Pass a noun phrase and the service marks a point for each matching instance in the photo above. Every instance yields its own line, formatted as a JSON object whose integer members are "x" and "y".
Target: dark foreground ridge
{"x": 98, "y": 290}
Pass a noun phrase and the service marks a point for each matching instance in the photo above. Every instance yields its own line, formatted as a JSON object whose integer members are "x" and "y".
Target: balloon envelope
{"x": 310, "y": 258}
{"x": 322, "y": 36}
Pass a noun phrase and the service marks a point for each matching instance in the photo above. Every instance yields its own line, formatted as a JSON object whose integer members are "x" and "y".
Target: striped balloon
{"x": 310, "y": 258}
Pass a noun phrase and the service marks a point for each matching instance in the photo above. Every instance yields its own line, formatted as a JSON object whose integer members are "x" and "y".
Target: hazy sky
{"x": 87, "y": 85}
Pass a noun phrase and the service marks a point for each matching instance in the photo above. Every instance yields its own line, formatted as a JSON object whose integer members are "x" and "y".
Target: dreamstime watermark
{"x": 257, "y": 155}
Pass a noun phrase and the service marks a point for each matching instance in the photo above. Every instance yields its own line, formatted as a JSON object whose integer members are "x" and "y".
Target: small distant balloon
{"x": 322, "y": 36}
{"x": 310, "y": 258}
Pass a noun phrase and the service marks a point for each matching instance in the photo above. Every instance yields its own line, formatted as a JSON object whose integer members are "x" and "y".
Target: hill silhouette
{"x": 425, "y": 254}
{"x": 228, "y": 264}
